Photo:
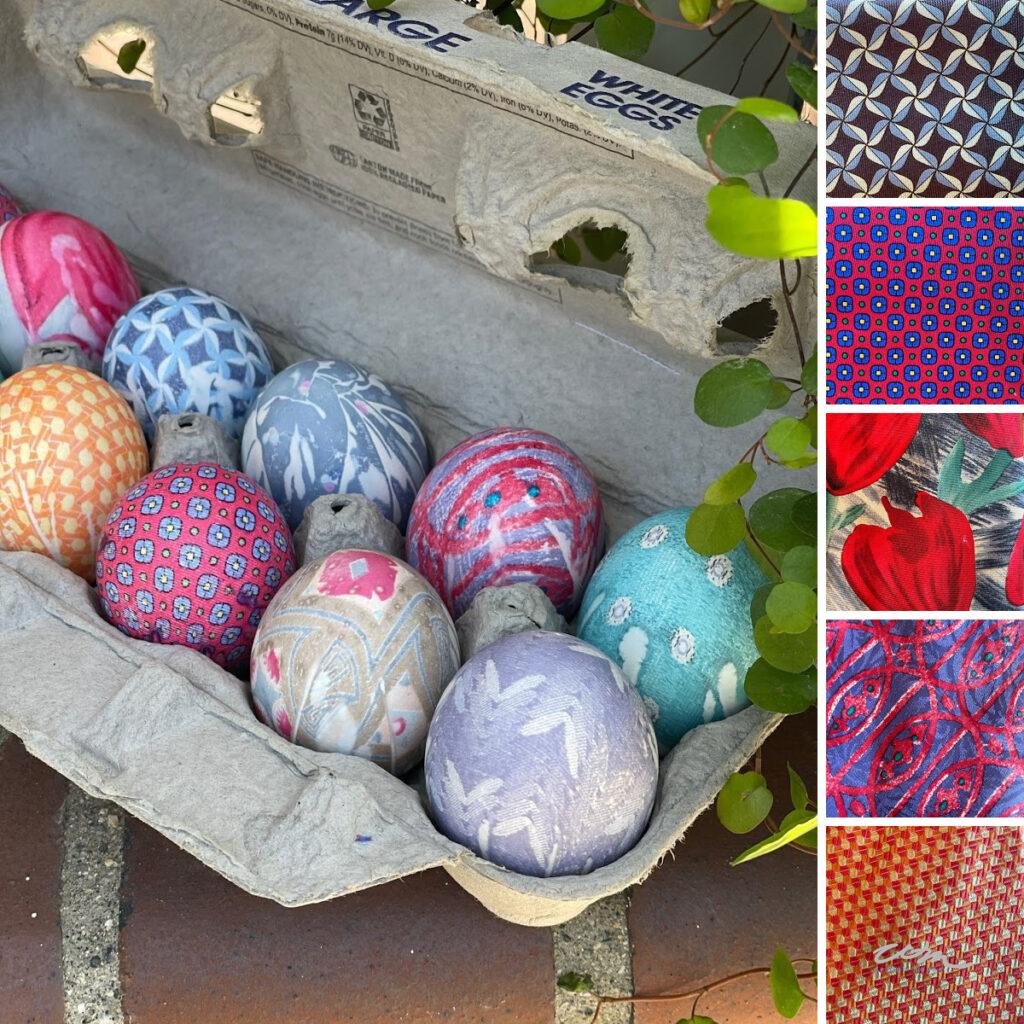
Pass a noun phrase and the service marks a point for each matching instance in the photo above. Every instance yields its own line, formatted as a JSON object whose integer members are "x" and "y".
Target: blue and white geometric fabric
{"x": 924, "y": 98}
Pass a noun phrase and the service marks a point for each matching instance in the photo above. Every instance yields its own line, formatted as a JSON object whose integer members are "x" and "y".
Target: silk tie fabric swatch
{"x": 924, "y": 718}
{"x": 924, "y": 924}
{"x": 923, "y": 511}
{"x": 923, "y": 98}
{"x": 924, "y": 305}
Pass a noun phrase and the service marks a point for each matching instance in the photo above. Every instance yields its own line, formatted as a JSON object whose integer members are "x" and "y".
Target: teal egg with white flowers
{"x": 677, "y": 622}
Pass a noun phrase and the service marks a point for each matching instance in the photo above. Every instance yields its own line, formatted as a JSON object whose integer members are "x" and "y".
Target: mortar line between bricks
{"x": 90, "y": 906}
{"x": 598, "y": 943}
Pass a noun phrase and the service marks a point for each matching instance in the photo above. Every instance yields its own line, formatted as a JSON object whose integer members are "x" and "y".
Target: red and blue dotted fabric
{"x": 925, "y": 718}
{"x": 924, "y": 304}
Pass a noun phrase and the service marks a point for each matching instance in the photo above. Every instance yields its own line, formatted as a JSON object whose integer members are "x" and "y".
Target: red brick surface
{"x": 31, "y": 990}
{"x": 696, "y": 919}
{"x": 196, "y": 948}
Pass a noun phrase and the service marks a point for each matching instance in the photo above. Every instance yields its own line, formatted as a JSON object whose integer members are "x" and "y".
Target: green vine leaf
{"x": 786, "y": 993}
{"x": 790, "y": 652}
{"x": 744, "y": 802}
{"x": 769, "y": 110}
{"x": 793, "y": 826}
{"x": 731, "y": 485}
{"x": 775, "y": 522}
{"x": 699, "y": 1019}
{"x": 624, "y": 31}
{"x": 570, "y": 981}
{"x": 568, "y": 251}
{"x": 788, "y": 438}
{"x": 739, "y": 143}
{"x": 604, "y": 243}
{"x": 807, "y": 18}
{"x": 804, "y": 82}
{"x": 809, "y": 374}
{"x": 797, "y": 790}
{"x": 129, "y": 55}
{"x": 758, "y": 602}
{"x": 715, "y": 529}
{"x": 800, "y": 565}
{"x": 733, "y": 392}
{"x": 780, "y": 395}
{"x": 776, "y": 229}
{"x": 780, "y": 692}
{"x": 569, "y": 10}
{"x": 784, "y": 6}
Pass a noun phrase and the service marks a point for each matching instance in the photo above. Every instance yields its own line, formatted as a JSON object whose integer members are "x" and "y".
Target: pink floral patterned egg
{"x": 192, "y": 555}
{"x": 61, "y": 279}
{"x": 352, "y": 657}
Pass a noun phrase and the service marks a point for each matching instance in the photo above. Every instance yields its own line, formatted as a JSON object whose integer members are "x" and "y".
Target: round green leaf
{"x": 804, "y": 82}
{"x": 626, "y": 32}
{"x": 568, "y": 10}
{"x": 758, "y": 602}
{"x": 742, "y": 145}
{"x": 792, "y": 607}
{"x": 750, "y": 225}
{"x": 770, "y": 110}
{"x": 797, "y": 789}
{"x": 772, "y": 520}
{"x": 790, "y": 652}
{"x": 788, "y": 438}
{"x": 800, "y": 565}
{"x": 767, "y": 560}
{"x": 129, "y": 54}
{"x": 707, "y": 120}
{"x": 780, "y": 395}
{"x": 695, "y": 11}
{"x": 699, "y": 1019}
{"x": 731, "y": 485}
{"x": 807, "y": 18}
{"x": 567, "y": 250}
{"x": 785, "y": 6}
{"x": 715, "y": 529}
{"x": 786, "y": 992}
{"x": 805, "y": 515}
{"x": 744, "y": 802}
{"x": 782, "y": 693}
{"x": 733, "y": 392}
{"x": 810, "y": 420}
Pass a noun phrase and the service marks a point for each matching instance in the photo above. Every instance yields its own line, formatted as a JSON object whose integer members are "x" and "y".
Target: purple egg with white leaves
{"x": 541, "y": 757}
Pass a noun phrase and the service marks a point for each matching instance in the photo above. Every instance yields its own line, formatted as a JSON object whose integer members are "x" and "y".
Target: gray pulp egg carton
{"x": 362, "y": 189}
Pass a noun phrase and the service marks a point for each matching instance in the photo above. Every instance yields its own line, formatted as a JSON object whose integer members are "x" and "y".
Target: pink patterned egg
{"x": 192, "y": 555}
{"x": 507, "y": 506}
{"x": 61, "y": 279}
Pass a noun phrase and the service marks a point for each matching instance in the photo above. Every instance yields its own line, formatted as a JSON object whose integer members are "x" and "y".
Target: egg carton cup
{"x": 170, "y": 737}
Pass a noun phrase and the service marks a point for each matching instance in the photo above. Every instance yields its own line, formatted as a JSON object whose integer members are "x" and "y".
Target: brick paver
{"x": 30, "y": 949}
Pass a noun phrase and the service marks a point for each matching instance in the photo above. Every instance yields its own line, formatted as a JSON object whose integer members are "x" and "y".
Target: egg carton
{"x": 171, "y": 737}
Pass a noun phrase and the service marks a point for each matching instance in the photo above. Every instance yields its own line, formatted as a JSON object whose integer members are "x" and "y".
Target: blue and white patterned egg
{"x": 184, "y": 350}
{"x": 678, "y": 623}
{"x": 328, "y": 427}
{"x": 541, "y": 757}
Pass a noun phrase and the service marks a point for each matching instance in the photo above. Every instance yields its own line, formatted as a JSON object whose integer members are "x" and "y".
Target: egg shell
{"x": 329, "y": 427}
{"x": 185, "y": 350}
{"x": 541, "y": 757}
{"x": 192, "y": 555}
{"x": 69, "y": 446}
{"x": 677, "y": 622}
{"x": 61, "y": 279}
{"x": 352, "y": 657}
{"x": 507, "y": 506}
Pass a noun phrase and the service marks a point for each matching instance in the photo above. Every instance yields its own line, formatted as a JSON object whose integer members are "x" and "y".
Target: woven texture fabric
{"x": 954, "y": 892}
{"x": 924, "y": 304}
{"x": 924, "y": 511}
{"x": 925, "y": 719}
{"x": 924, "y": 98}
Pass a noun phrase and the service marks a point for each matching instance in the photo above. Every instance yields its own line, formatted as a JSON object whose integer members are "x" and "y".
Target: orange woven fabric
{"x": 953, "y": 891}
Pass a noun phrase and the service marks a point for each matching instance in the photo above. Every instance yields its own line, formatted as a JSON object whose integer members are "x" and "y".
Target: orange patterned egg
{"x": 69, "y": 447}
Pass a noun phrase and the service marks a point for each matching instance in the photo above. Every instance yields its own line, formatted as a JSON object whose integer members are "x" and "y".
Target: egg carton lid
{"x": 169, "y": 736}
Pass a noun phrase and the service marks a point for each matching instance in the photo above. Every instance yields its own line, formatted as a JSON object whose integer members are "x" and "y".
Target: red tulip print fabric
{"x": 924, "y": 924}
{"x": 924, "y": 511}
{"x": 925, "y": 718}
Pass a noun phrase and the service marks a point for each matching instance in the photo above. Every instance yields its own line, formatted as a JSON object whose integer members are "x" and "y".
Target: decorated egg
{"x": 69, "y": 445}
{"x": 352, "y": 657}
{"x": 61, "y": 279}
{"x": 192, "y": 555}
{"x": 678, "y": 623}
{"x": 507, "y": 506}
{"x": 8, "y": 206}
{"x": 541, "y": 757}
{"x": 328, "y": 427}
{"x": 184, "y": 350}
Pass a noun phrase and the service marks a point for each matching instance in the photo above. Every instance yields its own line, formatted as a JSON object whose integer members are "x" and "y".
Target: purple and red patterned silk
{"x": 925, "y": 718}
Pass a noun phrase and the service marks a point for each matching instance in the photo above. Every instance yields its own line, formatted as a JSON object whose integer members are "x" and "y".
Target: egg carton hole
{"x": 113, "y": 57}
{"x": 746, "y": 329}
{"x": 236, "y": 116}
{"x": 587, "y": 255}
